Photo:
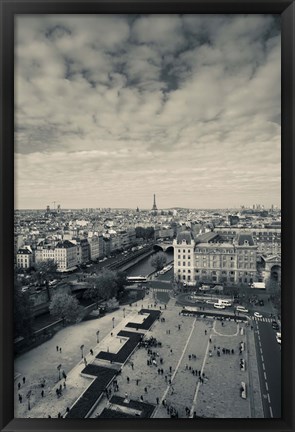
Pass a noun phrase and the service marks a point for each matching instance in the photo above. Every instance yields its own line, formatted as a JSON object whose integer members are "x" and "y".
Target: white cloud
{"x": 150, "y": 104}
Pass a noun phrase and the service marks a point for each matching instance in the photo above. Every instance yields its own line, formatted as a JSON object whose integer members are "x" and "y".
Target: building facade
{"x": 66, "y": 256}
{"x": 184, "y": 265}
{"x": 96, "y": 247}
{"x": 24, "y": 258}
{"x": 196, "y": 261}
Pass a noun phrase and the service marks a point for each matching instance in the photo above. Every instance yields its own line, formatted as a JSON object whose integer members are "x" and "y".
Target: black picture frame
{"x": 8, "y": 11}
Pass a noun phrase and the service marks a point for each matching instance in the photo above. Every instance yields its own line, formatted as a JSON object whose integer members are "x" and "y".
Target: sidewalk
{"x": 217, "y": 397}
{"x": 42, "y": 361}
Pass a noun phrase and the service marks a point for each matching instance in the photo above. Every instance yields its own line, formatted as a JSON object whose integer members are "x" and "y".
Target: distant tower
{"x": 58, "y": 208}
{"x": 47, "y": 209}
{"x": 154, "y": 205}
{"x": 137, "y": 210}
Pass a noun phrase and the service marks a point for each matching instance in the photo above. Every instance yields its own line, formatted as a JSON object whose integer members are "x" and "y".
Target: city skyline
{"x": 112, "y": 109}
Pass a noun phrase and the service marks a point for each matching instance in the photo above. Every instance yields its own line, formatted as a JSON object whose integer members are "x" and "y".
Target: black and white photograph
{"x": 147, "y": 216}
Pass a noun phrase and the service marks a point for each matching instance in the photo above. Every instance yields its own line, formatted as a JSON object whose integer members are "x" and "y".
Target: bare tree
{"x": 65, "y": 307}
{"x": 158, "y": 261}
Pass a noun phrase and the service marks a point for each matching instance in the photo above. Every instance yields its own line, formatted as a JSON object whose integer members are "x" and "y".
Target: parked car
{"x": 275, "y": 325}
{"x": 278, "y": 337}
{"x": 257, "y": 315}
{"x": 241, "y": 309}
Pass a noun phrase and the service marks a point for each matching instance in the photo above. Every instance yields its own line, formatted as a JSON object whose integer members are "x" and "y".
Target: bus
{"x": 136, "y": 279}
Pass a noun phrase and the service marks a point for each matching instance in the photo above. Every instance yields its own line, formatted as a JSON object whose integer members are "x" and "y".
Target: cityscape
{"x": 147, "y": 221}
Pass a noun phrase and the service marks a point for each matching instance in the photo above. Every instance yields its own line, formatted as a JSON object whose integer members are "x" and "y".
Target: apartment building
{"x": 208, "y": 259}
{"x": 24, "y": 258}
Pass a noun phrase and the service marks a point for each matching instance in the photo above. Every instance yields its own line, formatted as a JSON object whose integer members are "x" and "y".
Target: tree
{"x": 104, "y": 286}
{"x": 23, "y": 315}
{"x": 158, "y": 261}
{"x": 121, "y": 281}
{"x": 144, "y": 233}
{"x": 65, "y": 307}
{"x": 44, "y": 271}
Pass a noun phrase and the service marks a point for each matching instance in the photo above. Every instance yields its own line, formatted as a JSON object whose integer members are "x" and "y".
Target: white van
{"x": 225, "y": 302}
{"x": 219, "y": 306}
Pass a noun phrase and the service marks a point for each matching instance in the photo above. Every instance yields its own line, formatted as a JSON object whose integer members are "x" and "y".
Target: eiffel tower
{"x": 154, "y": 205}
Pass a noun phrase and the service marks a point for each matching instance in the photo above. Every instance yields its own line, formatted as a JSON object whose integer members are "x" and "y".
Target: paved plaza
{"x": 188, "y": 375}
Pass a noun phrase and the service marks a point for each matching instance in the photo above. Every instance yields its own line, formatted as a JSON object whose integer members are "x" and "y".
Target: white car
{"x": 241, "y": 309}
{"x": 219, "y": 306}
{"x": 257, "y": 315}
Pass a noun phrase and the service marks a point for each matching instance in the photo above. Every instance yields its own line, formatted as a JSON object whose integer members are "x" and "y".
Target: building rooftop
{"x": 186, "y": 236}
{"x": 243, "y": 239}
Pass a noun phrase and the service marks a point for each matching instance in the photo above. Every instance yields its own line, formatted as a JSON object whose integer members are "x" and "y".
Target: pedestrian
{"x": 162, "y": 371}
{"x": 59, "y": 415}
{"x": 171, "y": 350}
{"x": 60, "y": 388}
{"x": 91, "y": 351}
{"x": 199, "y": 373}
{"x": 145, "y": 389}
{"x": 49, "y": 416}
{"x": 189, "y": 357}
{"x": 170, "y": 368}
{"x": 126, "y": 395}
{"x": 19, "y": 385}
{"x": 24, "y": 380}
{"x": 210, "y": 340}
{"x": 232, "y": 351}
{"x": 128, "y": 379}
{"x": 20, "y": 398}
{"x": 111, "y": 334}
{"x": 60, "y": 350}
{"x": 64, "y": 375}
{"x": 137, "y": 381}
{"x": 157, "y": 399}
{"x": 42, "y": 393}
{"x": 132, "y": 365}
{"x": 56, "y": 347}
{"x": 141, "y": 398}
{"x": 68, "y": 410}
{"x": 205, "y": 332}
{"x": 65, "y": 384}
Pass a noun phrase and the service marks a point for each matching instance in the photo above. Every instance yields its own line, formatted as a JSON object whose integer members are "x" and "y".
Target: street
{"x": 269, "y": 363}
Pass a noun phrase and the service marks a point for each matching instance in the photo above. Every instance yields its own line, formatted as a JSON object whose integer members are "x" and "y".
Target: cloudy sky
{"x": 111, "y": 109}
